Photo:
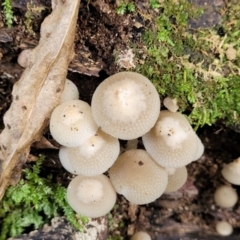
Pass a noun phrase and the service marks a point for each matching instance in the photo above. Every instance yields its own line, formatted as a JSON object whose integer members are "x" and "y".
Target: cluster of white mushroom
{"x": 226, "y": 196}
{"x": 124, "y": 106}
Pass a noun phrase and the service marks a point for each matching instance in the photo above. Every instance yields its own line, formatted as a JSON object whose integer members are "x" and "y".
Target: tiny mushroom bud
{"x": 71, "y": 123}
{"x": 91, "y": 196}
{"x": 172, "y": 141}
{"x": 170, "y": 104}
{"x": 231, "y": 172}
{"x": 231, "y": 53}
{"x": 141, "y": 236}
{"x": 93, "y": 157}
{"x": 225, "y": 196}
{"x": 70, "y": 92}
{"x": 224, "y": 228}
{"x": 176, "y": 180}
{"x": 23, "y": 58}
{"x": 126, "y": 105}
{"x": 136, "y": 176}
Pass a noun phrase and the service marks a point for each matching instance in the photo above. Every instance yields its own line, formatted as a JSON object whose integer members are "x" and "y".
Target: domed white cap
{"x": 141, "y": 236}
{"x": 91, "y": 196}
{"x": 172, "y": 141}
{"x": 71, "y": 123}
{"x": 231, "y": 172}
{"x": 225, "y": 196}
{"x": 70, "y": 92}
{"x": 137, "y": 177}
{"x": 126, "y": 105}
{"x": 177, "y": 179}
{"x": 93, "y": 157}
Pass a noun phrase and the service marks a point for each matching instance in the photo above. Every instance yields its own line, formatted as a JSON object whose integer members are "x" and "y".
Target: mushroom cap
{"x": 176, "y": 180}
{"x": 231, "y": 172}
{"x": 141, "y": 236}
{"x": 225, "y": 196}
{"x": 200, "y": 149}
{"x": 70, "y": 92}
{"x": 71, "y": 123}
{"x": 93, "y": 157}
{"x": 224, "y": 228}
{"x": 91, "y": 196}
{"x": 126, "y": 105}
{"x": 137, "y": 177}
{"x": 23, "y": 58}
{"x": 172, "y": 141}
{"x": 170, "y": 104}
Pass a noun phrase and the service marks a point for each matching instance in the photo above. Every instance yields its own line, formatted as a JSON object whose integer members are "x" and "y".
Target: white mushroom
{"x": 172, "y": 141}
{"x": 224, "y": 228}
{"x": 93, "y": 157}
{"x": 71, "y": 123}
{"x": 126, "y": 105}
{"x": 200, "y": 149}
{"x": 70, "y": 91}
{"x": 140, "y": 236}
{"x": 231, "y": 172}
{"x": 91, "y": 196}
{"x": 136, "y": 176}
{"x": 23, "y": 58}
{"x": 170, "y": 104}
{"x": 225, "y": 196}
{"x": 176, "y": 180}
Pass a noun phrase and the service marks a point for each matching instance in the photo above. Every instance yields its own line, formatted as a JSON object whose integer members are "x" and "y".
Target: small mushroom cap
{"x": 176, "y": 180}
{"x": 231, "y": 53}
{"x": 172, "y": 141}
{"x": 200, "y": 149}
{"x": 170, "y": 104}
{"x": 231, "y": 172}
{"x": 126, "y": 105}
{"x": 70, "y": 91}
{"x": 93, "y": 157}
{"x": 91, "y": 196}
{"x": 225, "y": 196}
{"x": 23, "y": 58}
{"x": 224, "y": 228}
{"x": 141, "y": 236}
{"x": 137, "y": 177}
{"x": 71, "y": 123}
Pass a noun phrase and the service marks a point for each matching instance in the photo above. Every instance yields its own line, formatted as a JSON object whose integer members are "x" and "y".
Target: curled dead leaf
{"x": 38, "y": 91}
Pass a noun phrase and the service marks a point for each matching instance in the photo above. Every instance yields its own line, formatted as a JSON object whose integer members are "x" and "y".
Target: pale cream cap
{"x": 126, "y": 105}
{"x": 225, "y": 196}
{"x": 172, "y": 141}
{"x": 224, "y": 228}
{"x": 137, "y": 177}
{"x": 70, "y": 91}
{"x": 177, "y": 179}
{"x": 71, "y": 123}
{"x": 93, "y": 157}
{"x": 91, "y": 196}
{"x": 231, "y": 172}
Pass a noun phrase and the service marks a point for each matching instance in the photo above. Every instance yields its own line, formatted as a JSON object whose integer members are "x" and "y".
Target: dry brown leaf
{"x": 38, "y": 91}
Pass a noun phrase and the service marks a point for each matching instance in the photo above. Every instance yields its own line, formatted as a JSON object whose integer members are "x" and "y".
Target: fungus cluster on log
{"x": 124, "y": 106}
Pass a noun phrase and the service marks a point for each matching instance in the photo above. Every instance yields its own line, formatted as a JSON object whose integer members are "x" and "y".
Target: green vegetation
{"x": 125, "y": 7}
{"x": 191, "y": 65}
{"x": 8, "y": 13}
{"x": 33, "y": 202}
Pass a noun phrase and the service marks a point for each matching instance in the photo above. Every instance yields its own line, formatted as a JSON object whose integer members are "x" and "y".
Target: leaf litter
{"x": 38, "y": 90}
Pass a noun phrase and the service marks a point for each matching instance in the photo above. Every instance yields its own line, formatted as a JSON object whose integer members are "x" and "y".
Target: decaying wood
{"x": 38, "y": 90}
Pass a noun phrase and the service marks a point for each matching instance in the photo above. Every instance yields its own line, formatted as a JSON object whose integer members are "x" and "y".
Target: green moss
{"x": 8, "y": 13}
{"x": 191, "y": 65}
{"x": 33, "y": 202}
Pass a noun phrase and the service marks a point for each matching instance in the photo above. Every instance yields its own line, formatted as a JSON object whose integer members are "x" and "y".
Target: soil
{"x": 189, "y": 213}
